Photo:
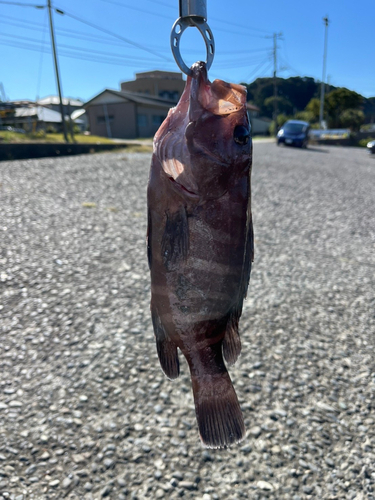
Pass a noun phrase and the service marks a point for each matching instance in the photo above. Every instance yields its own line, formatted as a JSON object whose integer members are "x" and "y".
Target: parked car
{"x": 294, "y": 133}
{"x": 371, "y": 147}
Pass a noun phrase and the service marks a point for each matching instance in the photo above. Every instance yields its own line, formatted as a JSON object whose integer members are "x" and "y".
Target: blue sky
{"x": 91, "y": 60}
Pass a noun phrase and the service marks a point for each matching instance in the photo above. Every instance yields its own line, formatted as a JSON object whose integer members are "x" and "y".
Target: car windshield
{"x": 294, "y": 128}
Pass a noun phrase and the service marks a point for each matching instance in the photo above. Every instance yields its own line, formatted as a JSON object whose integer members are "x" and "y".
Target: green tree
{"x": 313, "y": 107}
{"x": 283, "y": 105}
{"x": 338, "y": 101}
{"x": 352, "y": 118}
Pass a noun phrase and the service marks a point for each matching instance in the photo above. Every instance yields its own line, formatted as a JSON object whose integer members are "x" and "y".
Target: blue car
{"x": 294, "y": 133}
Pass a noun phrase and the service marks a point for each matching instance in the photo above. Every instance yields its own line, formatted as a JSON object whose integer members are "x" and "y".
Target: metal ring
{"x": 178, "y": 28}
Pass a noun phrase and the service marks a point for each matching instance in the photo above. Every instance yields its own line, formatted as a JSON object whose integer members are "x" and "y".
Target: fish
{"x": 200, "y": 245}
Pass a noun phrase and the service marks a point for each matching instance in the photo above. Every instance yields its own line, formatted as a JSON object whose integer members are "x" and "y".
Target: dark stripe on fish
{"x": 175, "y": 242}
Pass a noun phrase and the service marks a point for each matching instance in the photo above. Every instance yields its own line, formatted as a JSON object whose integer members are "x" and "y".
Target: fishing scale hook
{"x": 193, "y": 13}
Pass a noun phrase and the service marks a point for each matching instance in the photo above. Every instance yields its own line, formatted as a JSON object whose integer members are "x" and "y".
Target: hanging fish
{"x": 200, "y": 245}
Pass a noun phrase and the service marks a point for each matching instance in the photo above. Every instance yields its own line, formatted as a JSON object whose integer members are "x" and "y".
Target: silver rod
{"x": 193, "y": 8}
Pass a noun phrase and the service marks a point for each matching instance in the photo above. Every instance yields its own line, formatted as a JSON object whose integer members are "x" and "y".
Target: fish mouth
{"x": 183, "y": 189}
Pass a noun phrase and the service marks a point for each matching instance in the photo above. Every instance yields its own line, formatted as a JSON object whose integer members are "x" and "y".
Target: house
{"x": 259, "y": 125}
{"x": 126, "y": 115}
{"x": 53, "y": 102}
{"x": 165, "y": 84}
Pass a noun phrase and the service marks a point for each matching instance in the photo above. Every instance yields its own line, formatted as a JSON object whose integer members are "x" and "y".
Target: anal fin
{"x": 166, "y": 349}
{"x": 232, "y": 342}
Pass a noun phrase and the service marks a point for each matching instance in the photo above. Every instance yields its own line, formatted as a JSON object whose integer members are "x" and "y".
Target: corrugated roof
{"x": 54, "y": 99}
{"x": 42, "y": 114}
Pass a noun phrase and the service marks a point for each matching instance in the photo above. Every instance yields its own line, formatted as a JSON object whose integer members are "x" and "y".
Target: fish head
{"x": 218, "y": 135}
{"x": 204, "y": 145}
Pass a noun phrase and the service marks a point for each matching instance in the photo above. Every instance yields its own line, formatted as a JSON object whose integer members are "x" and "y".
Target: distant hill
{"x": 293, "y": 96}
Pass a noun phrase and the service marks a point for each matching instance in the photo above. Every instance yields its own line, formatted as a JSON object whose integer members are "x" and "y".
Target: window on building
{"x": 158, "y": 119}
{"x": 102, "y": 119}
{"x": 142, "y": 120}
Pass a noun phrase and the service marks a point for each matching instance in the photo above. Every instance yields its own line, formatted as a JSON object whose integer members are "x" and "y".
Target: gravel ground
{"x": 85, "y": 411}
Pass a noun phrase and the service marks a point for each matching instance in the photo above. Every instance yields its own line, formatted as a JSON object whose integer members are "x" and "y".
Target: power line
{"x": 84, "y": 50}
{"x": 41, "y": 61}
{"x": 106, "y": 40}
{"x": 137, "y": 9}
{"x": 250, "y": 75}
{"x": 130, "y": 42}
{"x": 19, "y": 4}
{"x": 224, "y": 21}
{"x": 72, "y": 55}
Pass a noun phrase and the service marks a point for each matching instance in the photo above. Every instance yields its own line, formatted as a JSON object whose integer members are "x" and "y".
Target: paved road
{"x": 85, "y": 411}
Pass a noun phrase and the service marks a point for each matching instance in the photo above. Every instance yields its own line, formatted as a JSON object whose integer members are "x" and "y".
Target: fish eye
{"x": 241, "y": 135}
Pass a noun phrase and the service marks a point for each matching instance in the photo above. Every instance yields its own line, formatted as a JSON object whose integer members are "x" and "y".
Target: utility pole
{"x": 275, "y": 106}
{"x": 57, "y": 70}
{"x": 322, "y": 89}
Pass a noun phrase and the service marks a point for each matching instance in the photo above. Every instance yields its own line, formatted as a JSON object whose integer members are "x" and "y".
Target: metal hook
{"x": 192, "y": 13}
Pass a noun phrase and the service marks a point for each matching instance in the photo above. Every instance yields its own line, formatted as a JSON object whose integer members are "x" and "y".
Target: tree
{"x": 352, "y": 118}
{"x": 338, "y": 101}
{"x": 313, "y": 107}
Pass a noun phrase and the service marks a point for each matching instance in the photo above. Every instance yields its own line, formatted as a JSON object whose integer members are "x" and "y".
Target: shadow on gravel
{"x": 317, "y": 150}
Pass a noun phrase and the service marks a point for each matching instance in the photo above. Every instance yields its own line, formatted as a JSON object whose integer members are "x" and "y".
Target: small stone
{"x": 206, "y": 457}
{"x": 308, "y": 489}
{"x": 54, "y": 483}
{"x": 187, "y": 485}
{"x": 88, "y": 486}
{"x": 3, "y": 406}
{"x": 78, "y": 458}
{"x": 43, "y": 438}
{"x": 14, "y": 451}
{"x": 264, "y": 485}
{"x": 329, "y": 462}
{"x": 106, "y": 490}
{"x": 177, "y": 474}
{"x": 255, "y": 431}
{"x": 158, "y": 409}
{"x": 159, "y": 493}
{"x": 109, "y": 463}
{"x": 83, "y": 398}
{"x": 121, "y": 482}
{"x": 15, "y": 404}
{"x": 323, "y": 406}
{"x": 45, "y": 455}
{"x": 30, "y": 470}
{"x": 66, "y": 483}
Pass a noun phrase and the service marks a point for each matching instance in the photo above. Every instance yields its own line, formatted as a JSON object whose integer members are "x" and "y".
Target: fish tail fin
{"x": 218, "y": 412}
{"x": 231, "y": 341}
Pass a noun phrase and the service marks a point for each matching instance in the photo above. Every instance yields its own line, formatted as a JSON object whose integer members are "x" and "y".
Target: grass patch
{"x": 6, "y": 136}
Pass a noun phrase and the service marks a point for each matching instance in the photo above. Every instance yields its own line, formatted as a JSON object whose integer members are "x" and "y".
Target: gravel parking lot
{"x": 85, "y": 411}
